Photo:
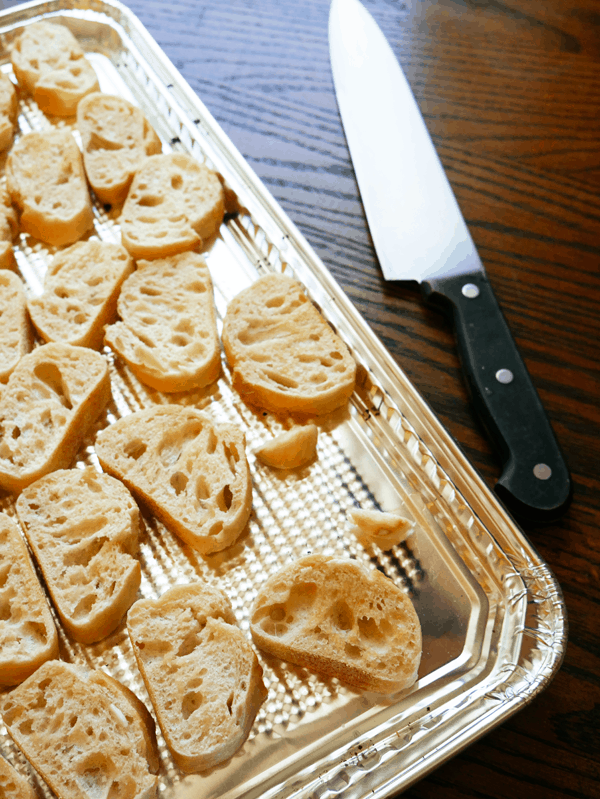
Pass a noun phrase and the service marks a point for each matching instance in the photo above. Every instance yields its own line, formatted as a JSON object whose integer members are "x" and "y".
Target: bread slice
{"x": 289, "y": 450}
{"x": 9, "y": 106}
{"x": 15, "y": 330}
{"x": 83, "y": 739}
{"x": 83, "y": 529}
{"x": 192, "y": 473}
{"x": 12, "y": 784}
{"x": 46, "y": 181}
{"x": 337, "y": 617}
{"x": 284, "y": 355}
{"x": 168, "y": 333}
{"x": 387, "y": 530}
{"x": 81, "y": 288}
{"x": 27, "y": 633}
{"x": 48, "y": 405}
{"x": 174, "y": 203}
{"x": 203, "y": 677}
{"x": 49, "y": 64}
{"x": 9, "y": 227}
{"x": 116, "y": 139}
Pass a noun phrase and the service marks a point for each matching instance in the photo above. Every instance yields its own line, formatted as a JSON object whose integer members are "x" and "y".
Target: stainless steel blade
{"x": 416, "y": 224}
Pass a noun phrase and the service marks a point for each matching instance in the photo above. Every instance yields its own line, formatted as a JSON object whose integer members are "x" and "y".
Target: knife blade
{"x": 419, "y": 234}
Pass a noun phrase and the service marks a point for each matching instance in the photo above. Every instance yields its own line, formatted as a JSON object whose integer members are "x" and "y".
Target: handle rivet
{"x": 470, "y": 291}
{"x": 504, "y": 376}
{"x": 542, "y": 471}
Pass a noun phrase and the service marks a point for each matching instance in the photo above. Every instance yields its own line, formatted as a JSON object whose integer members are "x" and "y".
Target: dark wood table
{"x": 511, "y": 94}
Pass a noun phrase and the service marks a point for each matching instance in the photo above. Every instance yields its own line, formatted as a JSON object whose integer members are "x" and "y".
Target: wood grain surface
{"x": 511, "y": 95}
{"x": 510, "y": 92}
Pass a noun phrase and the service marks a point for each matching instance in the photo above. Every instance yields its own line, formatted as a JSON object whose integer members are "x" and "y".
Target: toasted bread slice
{"x": 168, "y": 333}
{"x": 46, "y": 181}
{"x": 192, "y": 473}
{"x": 83, "y": 738}
{"x": 83, "y": 529}
{"x": 387, "y": 530}
{"x": 27, "y": 633}
{"x": 284, "y": 355}
{"x": 9, "y": 227}
{"x": 116, "y": 139}
{"x": 47, "y": 407}
{"x": 9, "y": 107}
{"x": 291, "y": 449}
{"x": 12, "y": 784}
{"x": 201, "y": 673}
{"x": 174, "y": 203}
{"x": 15, "y": 330}
{"x": 337, "y": 617}
{"x": 81, "y": 288}
{"x": 50, "y": 65}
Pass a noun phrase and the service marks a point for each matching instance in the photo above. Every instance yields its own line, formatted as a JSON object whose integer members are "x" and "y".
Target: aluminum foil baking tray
{"x": 492, "y": 615}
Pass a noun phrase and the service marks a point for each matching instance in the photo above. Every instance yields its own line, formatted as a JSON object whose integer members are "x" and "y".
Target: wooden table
{"x": 511, "y": 95}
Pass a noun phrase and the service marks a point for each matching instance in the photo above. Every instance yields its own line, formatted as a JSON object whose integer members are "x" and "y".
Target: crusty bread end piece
{"x": 15, "y": 331}
{"x": 116, "y": 140}
{"x": 168, "y": 329}
{"x": 51, "y": 400}
{"x": 46, "y": 181}
{"x": 83, "y": 736}
{"x": 204, "y": 680}
{"x": 192, "y": 473}
{"x": 9, "y": 227}
{"x": 12, "y": 784}
{"x": 49, "y": 64}
{"x": 83, "y": 529}
{"x": 284, "y": 355}
{"x": 387, "y": 530}
{"x": 81, "y": 289}
{"x": 27, "y": 633}
{"x": 8, "y": 111}
{"x": 174, "y": 203}
{"x": 337, "y": 617}
{"x": 289, "y": 450}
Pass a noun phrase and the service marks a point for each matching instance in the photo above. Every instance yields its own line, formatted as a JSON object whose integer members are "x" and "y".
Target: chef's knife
{"x": 419, "y": 234}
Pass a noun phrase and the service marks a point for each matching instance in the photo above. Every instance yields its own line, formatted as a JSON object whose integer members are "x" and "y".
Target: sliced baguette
{"x": 116, "y": 139}
{"x": 9, "y": 107}
{"x": 49, "y": 64}
{"x": 337, "y": 617}
{"x": 84, "y": 737}
{"x": 46, "y": 181}
{"x": 174, "y": 203}
{"x": 168, "y": 333}
{"x": 289, "y": 450}
{"x": 81, "y": 288}
{"x": 201, "y": 673}
{"x": 47, "y": 407}
{"x": 12, "y": 784}
{"x": 192, "y": 473}
{"x": 83, "y": 529}
{"x": 284, "y": 355}
{"x": 27, "y": 633}
{"x": 15, "y": 330}
{"x": 9, "y": 227}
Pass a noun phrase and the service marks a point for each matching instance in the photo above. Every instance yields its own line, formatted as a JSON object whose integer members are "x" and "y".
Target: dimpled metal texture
{"x": 492, "y": 617}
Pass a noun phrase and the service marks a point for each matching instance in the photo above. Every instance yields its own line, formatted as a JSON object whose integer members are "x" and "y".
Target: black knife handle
{"x": 535, "y": 484}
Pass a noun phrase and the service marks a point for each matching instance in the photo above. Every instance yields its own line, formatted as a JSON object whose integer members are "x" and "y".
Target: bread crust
{"x": 284, "y": 356}
{"x": 191, "y": 473}
{"x": 337, "y": 617}
{"x": 173, "y": 205}
{"x": 9, "y": 105}
{"x": 49, "y": 64}
{"x": 28, "y": 636}
{"x": 168, "y": 329}
{"x": 116, "y": 140}
{"x": 51, "y": 400}
{"x": 81, "y": 289}
{"x": 46, "y": 182}
{"x": 83, "y": 529}
{"x": 203, "y": 678}
{"x": 9, "y": 228}
{"x": 15, "y": 331}
{"x": 12, "y": 784}
{"x": 290, "y": 450}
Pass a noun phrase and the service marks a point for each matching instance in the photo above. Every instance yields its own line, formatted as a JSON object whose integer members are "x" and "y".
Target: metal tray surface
{"x": 492, "y": 615}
